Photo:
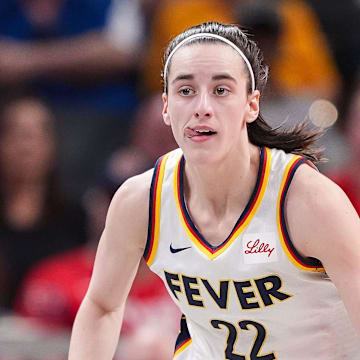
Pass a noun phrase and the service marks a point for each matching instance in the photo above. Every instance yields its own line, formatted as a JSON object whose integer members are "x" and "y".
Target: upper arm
{"x": 122, "y": 244}
{"x": 323, "y": 224}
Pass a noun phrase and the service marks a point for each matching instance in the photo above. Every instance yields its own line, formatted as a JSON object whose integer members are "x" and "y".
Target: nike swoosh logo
{"x": 174, "y": 251}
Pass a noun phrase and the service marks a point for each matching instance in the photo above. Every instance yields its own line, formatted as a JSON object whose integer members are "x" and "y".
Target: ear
{"x": 253, "y": 107}
{"x": 165, "y": 113}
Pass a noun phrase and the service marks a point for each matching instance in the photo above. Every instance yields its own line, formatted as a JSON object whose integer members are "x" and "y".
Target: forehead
{"x": 207, "y": 58}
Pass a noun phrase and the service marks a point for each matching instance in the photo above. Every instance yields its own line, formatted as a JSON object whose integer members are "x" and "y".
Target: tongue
{"x": 190, "y": 132}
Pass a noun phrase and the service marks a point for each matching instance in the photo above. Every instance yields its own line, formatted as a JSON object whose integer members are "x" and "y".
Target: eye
{"x": 186, "y": 91}
{"x": 221, "y": 91}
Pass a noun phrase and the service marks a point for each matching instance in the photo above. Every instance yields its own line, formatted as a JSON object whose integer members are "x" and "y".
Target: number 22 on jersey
{"x": 233, "y": 334}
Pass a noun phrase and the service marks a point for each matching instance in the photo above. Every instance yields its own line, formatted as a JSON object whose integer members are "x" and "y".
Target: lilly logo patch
{"x": 259, "y": 248}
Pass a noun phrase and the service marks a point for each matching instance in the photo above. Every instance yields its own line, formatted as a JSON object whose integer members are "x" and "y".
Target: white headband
{"x": 213, "y": 36}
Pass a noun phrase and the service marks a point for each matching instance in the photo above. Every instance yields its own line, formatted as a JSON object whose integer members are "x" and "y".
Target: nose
{"x": 203, "y": 109}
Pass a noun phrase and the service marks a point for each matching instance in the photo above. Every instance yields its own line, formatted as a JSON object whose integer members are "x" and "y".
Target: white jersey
{"x": 253, "y": 297}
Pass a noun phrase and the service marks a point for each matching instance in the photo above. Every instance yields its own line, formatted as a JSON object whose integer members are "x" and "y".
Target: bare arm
{"x": 323, "y": 224}
{"x": 98, "y": 322}
{"x": 91, "y": 53}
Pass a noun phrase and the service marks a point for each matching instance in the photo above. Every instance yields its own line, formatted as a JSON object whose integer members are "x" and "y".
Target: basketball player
{"x": 258, "y": 249}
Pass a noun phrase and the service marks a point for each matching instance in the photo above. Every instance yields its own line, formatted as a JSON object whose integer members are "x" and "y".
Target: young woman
{"x": 258, "y": 249}
{"x": 35, "y": 219}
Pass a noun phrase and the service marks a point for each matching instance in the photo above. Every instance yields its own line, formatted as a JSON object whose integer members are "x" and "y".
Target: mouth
{"x": 199, "y": 131}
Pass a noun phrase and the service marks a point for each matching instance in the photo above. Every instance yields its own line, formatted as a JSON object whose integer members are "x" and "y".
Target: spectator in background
{"x": 264, "y": 21}
{"x": 303, "y": 64}
{"x": 148, "y": 132}
{"x": 35, "y": 220}
{"x": 54, "y": 288}
{"x": 339, "y": 22}
{"x": 81, "y": 56}
{"x": 74, "y": 47}
{"x": 347, "y": 176}
{"x": 281, "y": 107}
{"x": 171, "y": 18}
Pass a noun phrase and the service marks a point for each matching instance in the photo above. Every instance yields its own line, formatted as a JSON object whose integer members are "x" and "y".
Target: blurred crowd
{"x": 80, "y": 112}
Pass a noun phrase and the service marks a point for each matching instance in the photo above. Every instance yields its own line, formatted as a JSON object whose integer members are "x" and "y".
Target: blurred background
{"x": 80, "y": 112}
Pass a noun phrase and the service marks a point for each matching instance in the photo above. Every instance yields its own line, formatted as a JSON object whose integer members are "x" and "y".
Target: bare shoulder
{"x": 134, "y": 191}
{"x": 129, "y": 208}
{"x": 324, "y": 225}
{"x": 122, "y": 243}
{"x": 316, "y": 208}
{"x": 312, "y": 191}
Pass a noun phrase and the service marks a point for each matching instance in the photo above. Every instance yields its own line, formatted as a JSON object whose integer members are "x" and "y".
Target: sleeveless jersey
{"x": 253, "y": 297}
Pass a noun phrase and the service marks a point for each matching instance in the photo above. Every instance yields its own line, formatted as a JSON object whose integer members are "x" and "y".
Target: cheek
{"x": 235, "y": 119}
{"x": 176, "y": 129}
{"x": 178, "y": 113}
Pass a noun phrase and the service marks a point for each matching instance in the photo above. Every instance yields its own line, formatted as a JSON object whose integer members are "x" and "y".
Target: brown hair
{"x": 298, "y": 140}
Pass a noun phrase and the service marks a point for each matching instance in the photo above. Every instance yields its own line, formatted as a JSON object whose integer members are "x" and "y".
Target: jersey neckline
{"x": 248, "y": 213}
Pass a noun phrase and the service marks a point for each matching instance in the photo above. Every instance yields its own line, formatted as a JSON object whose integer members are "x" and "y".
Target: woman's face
{"x": 207, "y": 105}
{"x": 27, "y": 141}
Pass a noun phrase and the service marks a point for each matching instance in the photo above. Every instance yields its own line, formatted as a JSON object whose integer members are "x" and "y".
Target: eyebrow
{"x": 183, "y": 77}
{"x": 224, "y": 76}
{"x": 221, "y": 76}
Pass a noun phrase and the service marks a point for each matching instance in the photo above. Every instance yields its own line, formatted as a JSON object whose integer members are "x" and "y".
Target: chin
{"x": 202, "y": 156}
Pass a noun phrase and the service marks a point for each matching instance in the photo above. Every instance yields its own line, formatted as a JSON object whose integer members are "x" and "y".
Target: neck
{"x": 223, "y": 186}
